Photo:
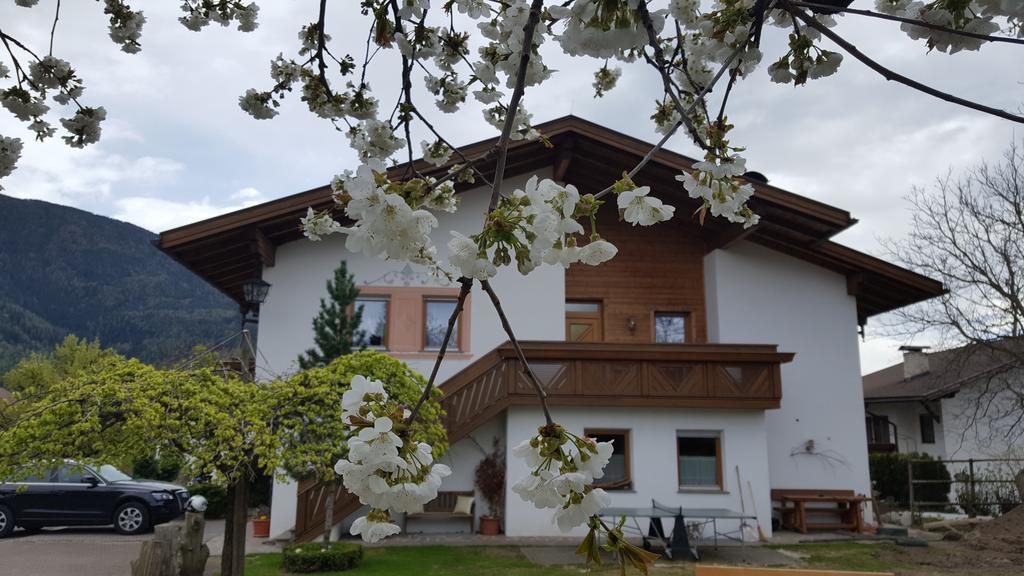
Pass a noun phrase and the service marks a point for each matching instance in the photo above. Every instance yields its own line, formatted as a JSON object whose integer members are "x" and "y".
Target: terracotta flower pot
{"x": 490, "y": 526}
{"x": 261, "y": 527}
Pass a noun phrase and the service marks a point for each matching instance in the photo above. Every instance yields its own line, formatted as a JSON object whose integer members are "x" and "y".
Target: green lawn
{"x": 443, "y": 561}
{"x": 485, "y": 561}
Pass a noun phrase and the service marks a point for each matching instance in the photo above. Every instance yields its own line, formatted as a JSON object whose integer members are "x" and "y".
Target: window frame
{"x": 455, "y": 344}
{"x": 719, "y": 485}
{"x": 921, "y": 419}
{"x": 386, "y": 299}
{"x": 687, "y": 336}
{"x": 627, "y": 483}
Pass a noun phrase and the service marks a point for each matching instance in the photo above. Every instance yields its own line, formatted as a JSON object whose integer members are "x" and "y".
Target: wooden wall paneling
{"x": 657, "y": 269}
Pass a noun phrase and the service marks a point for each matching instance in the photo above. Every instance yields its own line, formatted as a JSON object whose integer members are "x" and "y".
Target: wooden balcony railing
{"x": 609, "y": 374}
{"x": 739, "y": 376}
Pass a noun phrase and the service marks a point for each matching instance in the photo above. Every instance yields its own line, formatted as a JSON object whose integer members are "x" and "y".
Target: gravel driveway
{"x": 86, "y": 551}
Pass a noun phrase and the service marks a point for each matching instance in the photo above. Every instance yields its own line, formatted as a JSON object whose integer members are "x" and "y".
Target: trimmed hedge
{"x": 315, "y": 557}
{"x": 889, "y": 475}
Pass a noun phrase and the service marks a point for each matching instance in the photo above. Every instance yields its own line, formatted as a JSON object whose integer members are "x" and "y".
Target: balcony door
{"x": 583, "y": 321}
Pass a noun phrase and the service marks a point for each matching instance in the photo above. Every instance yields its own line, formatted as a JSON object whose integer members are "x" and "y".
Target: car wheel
{"x": 131, "y": 518}
{"x": 6, "y": 521}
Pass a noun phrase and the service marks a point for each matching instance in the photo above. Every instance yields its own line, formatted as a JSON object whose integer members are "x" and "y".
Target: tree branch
{"x": 530, "y": 375}
{"x": 467, "y": 285}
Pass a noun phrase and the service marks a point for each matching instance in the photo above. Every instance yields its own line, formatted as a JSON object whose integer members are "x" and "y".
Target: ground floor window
{"x": 373, "y": 325}
{"x": 617, "y": 474}
{"x": 700, "y": 459}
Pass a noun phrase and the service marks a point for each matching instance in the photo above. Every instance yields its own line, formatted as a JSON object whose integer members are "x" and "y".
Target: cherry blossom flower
{"x": 639, "y": 208}
{"x": 374, "y": 527}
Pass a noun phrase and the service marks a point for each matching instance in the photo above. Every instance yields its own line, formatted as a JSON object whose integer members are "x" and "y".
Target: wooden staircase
{"x": 739, "y": 376}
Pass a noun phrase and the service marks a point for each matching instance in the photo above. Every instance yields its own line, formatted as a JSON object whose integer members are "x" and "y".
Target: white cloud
{"x": 248, "y": 193}
{"x": 158, "y": 214}
{"x": 84, "y": 178}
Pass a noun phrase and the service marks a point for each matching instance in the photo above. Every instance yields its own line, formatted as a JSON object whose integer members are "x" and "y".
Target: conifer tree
{"x": 336, "y": 329}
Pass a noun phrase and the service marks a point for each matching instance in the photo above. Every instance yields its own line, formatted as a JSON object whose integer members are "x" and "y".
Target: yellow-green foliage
{"x": 311, "y": 430}
{"x": 122, "y": 410}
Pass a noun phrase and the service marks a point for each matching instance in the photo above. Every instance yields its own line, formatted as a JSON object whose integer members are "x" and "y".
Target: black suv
{"x": 78, "y": 495}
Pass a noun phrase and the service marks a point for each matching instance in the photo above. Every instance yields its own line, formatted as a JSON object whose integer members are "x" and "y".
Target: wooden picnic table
{"x": 794, "y": 510}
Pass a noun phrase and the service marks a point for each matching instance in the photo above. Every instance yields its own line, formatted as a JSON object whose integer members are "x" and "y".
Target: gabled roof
{"x": 948, "y": 371}
{"x": 228, "y": 250}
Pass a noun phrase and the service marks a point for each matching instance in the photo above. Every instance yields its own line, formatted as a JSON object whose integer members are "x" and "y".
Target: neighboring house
{"x": 696, "y": 350}
{"x": 5, "y": 396}
{"x": 954, "y": 404}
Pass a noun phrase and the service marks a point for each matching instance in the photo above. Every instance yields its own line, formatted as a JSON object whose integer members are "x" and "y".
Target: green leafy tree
{"x": 336, "y": 327}
{"x": 124, "y": 411}
{"x": 36, "y": 373}
{"x": 313, "y": 440}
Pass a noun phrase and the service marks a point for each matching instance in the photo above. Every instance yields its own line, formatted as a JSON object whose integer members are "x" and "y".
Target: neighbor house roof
{"x": 6, "y": 396}
{"x": 948, "y": 371}
{"x": 228, "y": 250}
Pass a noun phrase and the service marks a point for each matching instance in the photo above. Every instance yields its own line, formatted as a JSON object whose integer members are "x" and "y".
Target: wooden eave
{"x": 229, "y": 249}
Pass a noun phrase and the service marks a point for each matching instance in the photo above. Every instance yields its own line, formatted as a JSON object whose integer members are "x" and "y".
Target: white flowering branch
{"x": 913, "y": 21}
{"x": 889, "y": 74}
{"x": 513, "y": 104}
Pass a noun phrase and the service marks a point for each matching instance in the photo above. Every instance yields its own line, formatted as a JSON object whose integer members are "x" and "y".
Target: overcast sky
{"x": 176, "y": 148}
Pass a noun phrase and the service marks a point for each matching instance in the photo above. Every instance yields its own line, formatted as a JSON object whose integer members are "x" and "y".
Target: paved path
{"x": 91, "y": 551}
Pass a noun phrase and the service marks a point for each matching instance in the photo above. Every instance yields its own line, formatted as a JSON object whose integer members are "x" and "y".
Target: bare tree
{"x": 968, "y": 232}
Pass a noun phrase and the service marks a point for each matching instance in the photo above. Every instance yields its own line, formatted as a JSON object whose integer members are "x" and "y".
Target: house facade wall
{"x": 756, "y": 295}
{"x": 653, "y": 433}
{"x": 535, "y": 305}
{"x": 906, "y": 417}
{"x": 980, "y": 424}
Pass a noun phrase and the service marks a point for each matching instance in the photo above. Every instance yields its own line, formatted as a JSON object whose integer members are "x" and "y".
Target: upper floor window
{"x": 927, "y": 429}
{"x": 670, "y": 327}
{"x": 700, "y": 459}
{"x": 617, "y": 474}
{"x": 373, "y": 326}
{"x": 437, "y": 312}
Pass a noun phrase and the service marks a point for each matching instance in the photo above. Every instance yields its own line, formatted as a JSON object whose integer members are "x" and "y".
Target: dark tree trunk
{"x": 232, "y": 559}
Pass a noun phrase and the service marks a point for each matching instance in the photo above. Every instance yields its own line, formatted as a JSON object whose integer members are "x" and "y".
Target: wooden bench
{"x": 738, "y": 571}
{"x": 442, "y": 508}
{"x": 793, "y": 510}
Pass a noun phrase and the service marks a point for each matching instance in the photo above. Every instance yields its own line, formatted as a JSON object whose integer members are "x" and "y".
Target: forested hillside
{"x": 66, "y": 271}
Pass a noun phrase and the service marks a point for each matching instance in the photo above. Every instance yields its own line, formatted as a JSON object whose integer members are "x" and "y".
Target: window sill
{"x": 682, "y": 490}
{"x": 428, "y": 355}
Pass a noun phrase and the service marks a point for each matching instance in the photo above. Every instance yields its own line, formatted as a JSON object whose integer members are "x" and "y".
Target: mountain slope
{"x": 64, "y": 270}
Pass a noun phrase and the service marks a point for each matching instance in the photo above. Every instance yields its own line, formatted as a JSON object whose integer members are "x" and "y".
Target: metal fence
{"x": 981, "y": 486}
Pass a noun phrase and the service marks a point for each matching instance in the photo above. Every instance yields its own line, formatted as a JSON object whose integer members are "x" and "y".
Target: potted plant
{"x": 261, "y": 524}
{"x": 490, "y": 482}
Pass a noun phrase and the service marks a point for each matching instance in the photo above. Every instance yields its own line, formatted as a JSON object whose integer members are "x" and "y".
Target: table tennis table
{"x": 678, "y": 539}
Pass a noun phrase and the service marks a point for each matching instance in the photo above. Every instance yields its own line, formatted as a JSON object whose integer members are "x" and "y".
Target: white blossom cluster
{"x": 10, "y": 151}
{"x": 390, "y": 220}
{"x": 716, "y": 184}
{"x": 386, "y": 472}
{"x": 563, "y": 468}
{"x": 200, "y": 13}
{"x": 974, "y": 16}
{"x": 536, "y": 225}
{"x": 125, "y": 25}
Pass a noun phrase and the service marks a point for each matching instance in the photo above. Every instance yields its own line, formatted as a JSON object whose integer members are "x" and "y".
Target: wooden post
{"x": 159, "y": 556}
{"x": 194, "y": 552}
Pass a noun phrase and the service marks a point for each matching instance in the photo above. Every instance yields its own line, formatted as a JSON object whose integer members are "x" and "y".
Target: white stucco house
{"x": 698, "y": 350}
{"x": 957, "y": 404}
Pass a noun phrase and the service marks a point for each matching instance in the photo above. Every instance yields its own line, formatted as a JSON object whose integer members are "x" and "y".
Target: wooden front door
{"x": 583, "y": 322}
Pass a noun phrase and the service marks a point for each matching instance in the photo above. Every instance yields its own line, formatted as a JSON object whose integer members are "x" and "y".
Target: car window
{"x": 70, "y": 475}
{"x": 36, "y": 476}
{"x": 111, "y": 474}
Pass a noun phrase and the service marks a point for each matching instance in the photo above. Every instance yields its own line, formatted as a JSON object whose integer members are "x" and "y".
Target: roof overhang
{"x": 228, "y": 250}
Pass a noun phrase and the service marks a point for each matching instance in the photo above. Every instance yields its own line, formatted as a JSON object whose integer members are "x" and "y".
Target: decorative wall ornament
{"x": 409, "y": 277}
